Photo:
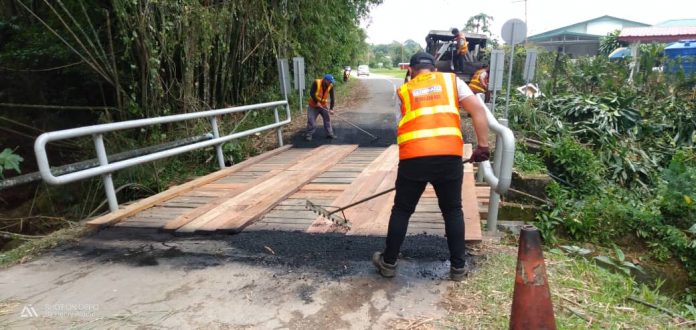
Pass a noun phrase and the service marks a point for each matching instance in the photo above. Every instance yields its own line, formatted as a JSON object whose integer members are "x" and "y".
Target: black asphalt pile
{"x": 380, "y": 125}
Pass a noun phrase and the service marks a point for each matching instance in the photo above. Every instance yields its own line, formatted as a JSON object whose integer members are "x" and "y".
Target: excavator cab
{"x": 440, "y": 44}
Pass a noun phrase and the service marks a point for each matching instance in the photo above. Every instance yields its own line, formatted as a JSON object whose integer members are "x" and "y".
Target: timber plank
{"x": 183, "y": 219}
{"x": 324, "y": 187}
{"x": 375, "y": 214}
{"x": 333, "y": 180}
{"x": 249, "y": 205}
{"x": 470, "y": 206}
{"x": 366, "y": 184}
{"x": 138, "y": 206}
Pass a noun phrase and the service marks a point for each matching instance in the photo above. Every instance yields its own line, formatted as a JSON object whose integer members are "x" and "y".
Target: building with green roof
{"x": 581, "y": 39}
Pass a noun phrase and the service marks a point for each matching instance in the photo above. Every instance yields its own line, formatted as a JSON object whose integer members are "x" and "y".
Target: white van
{"x": 363, "y": 70}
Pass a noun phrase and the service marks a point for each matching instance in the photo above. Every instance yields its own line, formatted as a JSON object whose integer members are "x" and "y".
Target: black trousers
{"x": 459, "y": 62}
{"x": 445, "y": 173}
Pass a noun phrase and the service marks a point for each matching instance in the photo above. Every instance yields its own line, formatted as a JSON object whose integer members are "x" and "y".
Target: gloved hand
{"x": 480, "y": 154}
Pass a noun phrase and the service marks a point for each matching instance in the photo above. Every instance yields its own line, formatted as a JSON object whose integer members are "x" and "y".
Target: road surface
{"x": 123, "y": 277}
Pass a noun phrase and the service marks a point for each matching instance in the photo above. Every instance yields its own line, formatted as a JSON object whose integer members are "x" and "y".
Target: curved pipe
{"x": 500, "y": 177}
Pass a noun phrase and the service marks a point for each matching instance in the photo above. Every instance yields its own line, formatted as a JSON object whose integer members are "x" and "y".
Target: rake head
{"x": 331, "y": 216}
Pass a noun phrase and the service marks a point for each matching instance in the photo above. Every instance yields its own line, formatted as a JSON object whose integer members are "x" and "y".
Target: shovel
{"x": 343, "y": 221}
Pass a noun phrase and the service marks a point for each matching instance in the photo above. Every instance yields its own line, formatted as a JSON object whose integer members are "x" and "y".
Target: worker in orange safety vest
{"x": 462, "y": 48}
{"x": 430, "y": 151}
{"x": 479, "y": 81}
{"x": 319, "y": 95}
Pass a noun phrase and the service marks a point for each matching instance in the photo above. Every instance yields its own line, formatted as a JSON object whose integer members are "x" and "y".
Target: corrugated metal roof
{"x": 658, "y": 33}
{"x": 561, "y": 30}
{"x": 678, "y": 22}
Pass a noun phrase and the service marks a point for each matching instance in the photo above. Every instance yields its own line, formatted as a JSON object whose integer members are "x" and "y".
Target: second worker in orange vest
{"x": 479, "y": 81}
{"x": 319, "y": 95}
{"x": 430, "y": 151}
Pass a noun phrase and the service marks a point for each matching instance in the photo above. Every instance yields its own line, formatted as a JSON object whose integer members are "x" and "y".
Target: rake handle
{"x": 373, "y": 196}
{"x": 352, "y": 124}
{"x": 363, "y": 200}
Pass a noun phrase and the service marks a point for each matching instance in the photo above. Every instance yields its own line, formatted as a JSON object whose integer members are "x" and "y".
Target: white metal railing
{"x": 498, "y": 176}
{"x": 105, "y": 168}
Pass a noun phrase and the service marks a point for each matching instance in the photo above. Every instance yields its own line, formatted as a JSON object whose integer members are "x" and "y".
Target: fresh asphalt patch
{"x": 334, "y": 255}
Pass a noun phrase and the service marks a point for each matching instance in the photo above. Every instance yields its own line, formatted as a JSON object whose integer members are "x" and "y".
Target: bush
{"x": 665, "y": 220}
{"x": 677, "y": 191}
{"x": 528, "y": 162}
{"x": 576, "y": 165}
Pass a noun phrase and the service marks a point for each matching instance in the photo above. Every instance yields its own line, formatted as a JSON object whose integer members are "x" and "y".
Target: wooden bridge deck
{"x": 269, "y": 191}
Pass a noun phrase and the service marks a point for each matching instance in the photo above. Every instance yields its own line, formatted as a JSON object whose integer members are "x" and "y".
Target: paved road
{"x": 136, "y": 278}
{"x": 376, "y": 116}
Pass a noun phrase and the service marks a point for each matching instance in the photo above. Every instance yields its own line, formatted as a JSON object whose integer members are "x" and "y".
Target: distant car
{"x": 363, "y": 70}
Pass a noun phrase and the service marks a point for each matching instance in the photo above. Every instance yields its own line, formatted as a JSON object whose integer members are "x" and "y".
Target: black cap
{"x": 421, "y": 58}
{"x": 455, "y": 31}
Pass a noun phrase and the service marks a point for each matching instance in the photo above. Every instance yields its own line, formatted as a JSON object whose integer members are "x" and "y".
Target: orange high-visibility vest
{"x": 321, "y": 95}
{"x": 464, "y": 47}
{"x": 430, "y": 124}
{"x": 476, "y": 84}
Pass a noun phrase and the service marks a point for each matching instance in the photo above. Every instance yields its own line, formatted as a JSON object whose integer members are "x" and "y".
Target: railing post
{"x": 280, "y": 130}
{"x": 108, "y": 182}
{"x": 218, "y": 147}
{"x": 494, "y": 198}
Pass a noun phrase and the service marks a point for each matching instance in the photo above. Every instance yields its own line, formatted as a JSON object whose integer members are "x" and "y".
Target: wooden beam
{"x": 189, "y": 216}
{"x": 238, "y": 212}
{"x": 114, "y": 217}
{"x": 368, "y": 182}
{"x": 470, "y": 206}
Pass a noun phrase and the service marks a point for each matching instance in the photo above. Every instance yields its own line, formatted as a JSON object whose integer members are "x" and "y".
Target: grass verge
{"x": 27, "y": 250}
{"x": 396, "y": 73}
{"x": 584, "y": 296}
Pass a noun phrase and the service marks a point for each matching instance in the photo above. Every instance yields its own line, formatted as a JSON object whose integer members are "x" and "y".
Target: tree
{"x": 394, "y": 53}
{"x": 479, "y": 24}
{"x": 610, "y": 42}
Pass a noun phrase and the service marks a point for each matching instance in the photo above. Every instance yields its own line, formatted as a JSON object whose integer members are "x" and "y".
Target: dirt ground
{"x": 118, "y": 278}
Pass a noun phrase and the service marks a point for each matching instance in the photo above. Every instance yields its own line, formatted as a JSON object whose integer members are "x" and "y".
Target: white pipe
{"x": 43, "y": 139}
{"x": 500, "y": 182}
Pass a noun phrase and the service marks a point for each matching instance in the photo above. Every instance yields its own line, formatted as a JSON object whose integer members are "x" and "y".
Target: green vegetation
{"x": 121, "y": 60}
{"x": 390, "y": 55}
{"x": 621, "y": 155}
{"x": 480, "y": 23}
{"x": 35, "y": 245}
{"x": 9, "y": 161}
{"x": 528, "y": 162}
{"x": 391, "y": 72}
{"x": 584, "y": 296}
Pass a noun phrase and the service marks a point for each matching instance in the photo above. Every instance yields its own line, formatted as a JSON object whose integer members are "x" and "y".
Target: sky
{"x": 400, "y": 20}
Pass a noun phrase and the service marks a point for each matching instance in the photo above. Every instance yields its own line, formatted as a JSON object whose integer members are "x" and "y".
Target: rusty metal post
{"x": 531, "y": 300}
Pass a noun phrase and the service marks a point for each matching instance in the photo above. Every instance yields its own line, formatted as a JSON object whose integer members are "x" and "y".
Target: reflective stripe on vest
{"x": 427, "y": 133}
{"x": 475, "y": 84}
{"x": 430, "y": 122}
{"x": 427, "y": 111}
{"x": 321, "y": 95}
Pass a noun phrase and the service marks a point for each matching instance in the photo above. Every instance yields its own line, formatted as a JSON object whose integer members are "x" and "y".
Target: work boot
{"x": 331, "y": 136}
{"x": 459, "y": 274}
{"x": 384, "y": 269}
